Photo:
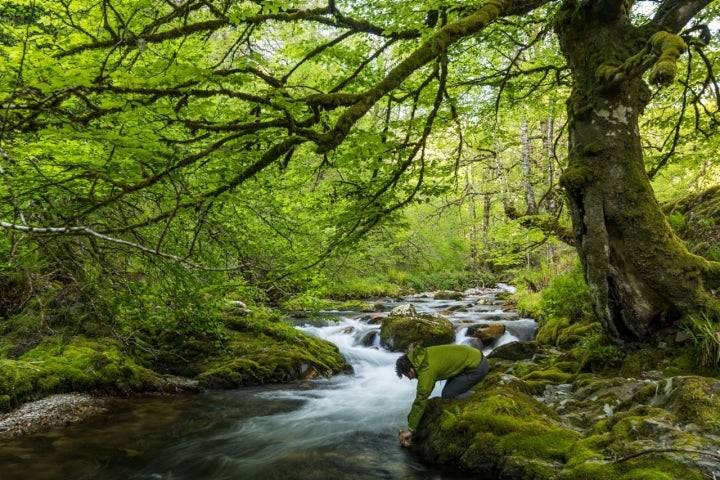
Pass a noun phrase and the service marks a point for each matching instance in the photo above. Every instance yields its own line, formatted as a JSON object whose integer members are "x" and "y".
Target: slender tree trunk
{"x": 550, "y": 203}
{"x": 641, "y": 276}
{"x": 549, "y": 147}
{"x": 472, "y": 213}
{"x": 527, "y": 169}
{"x": 487, "y": 205}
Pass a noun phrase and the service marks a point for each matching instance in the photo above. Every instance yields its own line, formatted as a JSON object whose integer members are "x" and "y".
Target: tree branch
{"x": 432, "y": 48}
{"x": 673, "y": 15}
{"x": 80, "y": 230}
{"x": 546, "y": 223}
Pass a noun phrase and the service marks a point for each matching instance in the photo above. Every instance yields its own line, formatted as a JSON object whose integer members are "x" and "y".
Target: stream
{"x": 339, "y": 428}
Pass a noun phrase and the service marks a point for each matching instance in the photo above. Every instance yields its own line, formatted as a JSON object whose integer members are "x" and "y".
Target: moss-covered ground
{"x": 582, "y": 410}
{"x": 251, "y": 348}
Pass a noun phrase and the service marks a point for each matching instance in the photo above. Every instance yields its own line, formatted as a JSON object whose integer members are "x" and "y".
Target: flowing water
{"x": 339, "y": 428}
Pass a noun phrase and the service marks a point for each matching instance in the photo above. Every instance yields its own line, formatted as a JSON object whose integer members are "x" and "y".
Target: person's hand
{"x": 405, "y": 437}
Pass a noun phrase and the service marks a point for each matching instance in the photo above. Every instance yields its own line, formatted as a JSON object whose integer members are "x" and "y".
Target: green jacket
{"x": 437, "y": 363}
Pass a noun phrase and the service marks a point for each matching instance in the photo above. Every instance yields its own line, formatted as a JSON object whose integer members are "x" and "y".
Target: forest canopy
{"x": 259, "y": 137}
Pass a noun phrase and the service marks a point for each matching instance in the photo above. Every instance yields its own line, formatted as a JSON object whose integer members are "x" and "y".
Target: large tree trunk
{"x": 641, "y": 276}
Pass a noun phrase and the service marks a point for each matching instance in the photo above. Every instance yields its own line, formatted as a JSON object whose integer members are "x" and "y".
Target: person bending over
{"x": 461, "y": 365}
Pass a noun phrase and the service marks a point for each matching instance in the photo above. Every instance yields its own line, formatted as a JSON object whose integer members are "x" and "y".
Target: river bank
{"x": 52, "y": 411}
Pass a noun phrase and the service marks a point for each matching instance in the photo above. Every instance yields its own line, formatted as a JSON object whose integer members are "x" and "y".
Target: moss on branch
{"x": 548, "y": 224}
{"x": 432, "y": 48}
{"x": 668, "y": 47}
{"x": 660, "y": 53}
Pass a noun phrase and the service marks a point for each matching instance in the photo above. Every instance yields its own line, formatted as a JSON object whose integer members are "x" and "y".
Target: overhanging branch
{"x": 86, "y": 231}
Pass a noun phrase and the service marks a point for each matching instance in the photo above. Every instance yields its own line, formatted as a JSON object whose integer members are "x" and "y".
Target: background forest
{"x": 155, "y": 168}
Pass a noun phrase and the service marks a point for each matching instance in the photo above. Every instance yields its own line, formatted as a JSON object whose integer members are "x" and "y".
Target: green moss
{"x": 6, "y": 347}
{"x": 681, "y": 360}
{"x": 591, "y": 459}
{"x": 471, "y": 452}
{"x": 611, "y": 451}
{"x": 256, "y": 358}
{"x": 593, "y": 148}
{"x": 531, "y": 467}
{"x": 311, "y": 303}
{"x": 575, "y": 333}
{"x": 17, "y": 380}
{"x": 561, "y": 332}
{"x": 588, "y": 449}
{"x": 577, "y": 175}
{"x": 608, "y": 72}
{"x": 654, "y": 468}
{"x": 19, "y": 334}
{"x": 590, "y": 471}
{"x": 539, "y": 441}
{"x": 550, "y": 329}
{"x": 254, "y": 348}
{"x": 626, "y": 425}
{"x": 695, "y": 400}
{"x": 77, "y": 364}
{"x": 503, "y": 422}
{"x": 633, "y": 364}
{"x": 537, "y": 387}
{"x": 448, "y": 295}
{"x": 397, "y": 333}
{"x": 569, "y": 364}
{"x": 550, "y": 375}
{"x": 648, "y": 474}
{"x": 668, "y": 47}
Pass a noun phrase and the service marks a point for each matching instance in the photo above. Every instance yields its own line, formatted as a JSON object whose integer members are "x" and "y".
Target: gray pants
{"x": 459, "y": 384}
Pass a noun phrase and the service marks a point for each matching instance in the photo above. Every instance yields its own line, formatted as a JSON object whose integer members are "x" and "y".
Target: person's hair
{"x": 403, "y": 366}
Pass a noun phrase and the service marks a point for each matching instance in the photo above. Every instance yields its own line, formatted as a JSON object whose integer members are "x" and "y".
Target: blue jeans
{"x": 462, "y": 382}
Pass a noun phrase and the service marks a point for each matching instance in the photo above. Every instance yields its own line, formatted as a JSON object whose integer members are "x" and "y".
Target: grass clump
{"x": 705, "y": 334}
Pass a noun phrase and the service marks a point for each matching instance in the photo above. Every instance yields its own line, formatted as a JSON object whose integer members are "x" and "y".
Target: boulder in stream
{"x": 488, "y": 334}
{"x": 404, "y": 327}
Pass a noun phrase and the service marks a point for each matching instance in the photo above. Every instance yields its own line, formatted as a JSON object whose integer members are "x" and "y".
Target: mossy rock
{"x": 448, "y": 295}
{"x": 561, "y": 332}
{"x": 678, "y": 361}
{"x": 253, "y": 358}
{"x": 623, "y": 448}
{"x": 399, "y": 332}
{"x": 501, "y": 421}
{"x": 77, "y": 364}
{"x": 518, "y": 350}
{"x": 537, "y": 380}
{"x": 254, "y": 348}
{"x": 589, "y": 426}
{"x": 694, "y": 400}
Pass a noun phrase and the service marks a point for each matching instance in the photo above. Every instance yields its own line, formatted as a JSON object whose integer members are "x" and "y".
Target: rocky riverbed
{"x": 53, "y": 411}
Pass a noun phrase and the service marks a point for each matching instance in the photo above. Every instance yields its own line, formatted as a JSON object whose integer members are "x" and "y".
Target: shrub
{"x": 677, "y": 221}
{"x": 568, "y": 295}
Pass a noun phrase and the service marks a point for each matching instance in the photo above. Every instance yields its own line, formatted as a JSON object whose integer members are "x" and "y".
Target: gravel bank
{"x": 52, "y": 411}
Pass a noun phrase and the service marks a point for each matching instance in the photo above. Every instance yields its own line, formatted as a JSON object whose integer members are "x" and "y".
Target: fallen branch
{"x": 667, "y": 450}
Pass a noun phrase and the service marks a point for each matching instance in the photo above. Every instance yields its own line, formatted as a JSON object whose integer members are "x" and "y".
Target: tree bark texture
{"x": 641, "y": 276}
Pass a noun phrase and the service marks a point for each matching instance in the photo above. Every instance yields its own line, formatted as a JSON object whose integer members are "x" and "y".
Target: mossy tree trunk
{"x": 641, "y": 276}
